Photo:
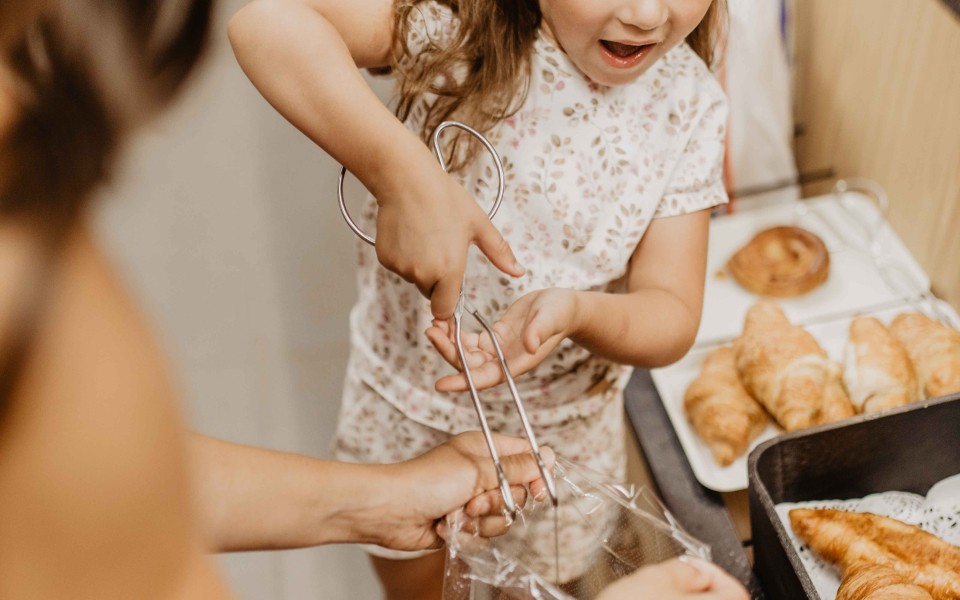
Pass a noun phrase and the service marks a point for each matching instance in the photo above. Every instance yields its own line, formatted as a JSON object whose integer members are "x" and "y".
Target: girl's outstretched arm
{"x": 303, "y": 56}
{"x": 652, "y": 325}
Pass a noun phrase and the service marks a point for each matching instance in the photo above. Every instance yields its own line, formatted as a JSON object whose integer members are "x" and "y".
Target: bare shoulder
{"x": 91, "y": 461}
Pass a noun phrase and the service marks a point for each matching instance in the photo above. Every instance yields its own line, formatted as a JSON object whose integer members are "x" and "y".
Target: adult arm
{"x": 252, "y": 498}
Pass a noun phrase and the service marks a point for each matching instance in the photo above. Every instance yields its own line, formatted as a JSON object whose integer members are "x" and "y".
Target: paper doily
{"x": 938, "y": 513}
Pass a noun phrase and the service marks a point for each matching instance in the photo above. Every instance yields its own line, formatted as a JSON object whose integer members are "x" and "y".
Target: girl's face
{"x": 615, "y": 41}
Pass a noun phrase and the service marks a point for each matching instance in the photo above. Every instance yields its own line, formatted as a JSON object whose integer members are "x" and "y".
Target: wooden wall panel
{"x": 878, "y": 96}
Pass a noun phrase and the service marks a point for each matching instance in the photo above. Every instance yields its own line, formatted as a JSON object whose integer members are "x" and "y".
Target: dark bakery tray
{"x": 907, "y": 449}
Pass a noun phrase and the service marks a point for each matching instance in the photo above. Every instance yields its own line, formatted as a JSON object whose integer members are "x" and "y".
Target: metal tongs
{"x": 464, "y": 306}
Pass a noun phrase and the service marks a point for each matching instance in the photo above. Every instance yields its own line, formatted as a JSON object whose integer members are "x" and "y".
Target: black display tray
{"x": 908, "y": 449}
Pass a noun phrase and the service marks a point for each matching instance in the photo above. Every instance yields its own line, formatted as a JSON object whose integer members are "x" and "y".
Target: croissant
{"x": 787, "y": 371}
{"x": 848, "y": 538}
{"x": 866, "y": 581}
{"x": 720, "y": 410}
{"x": 877, "y": 372}
{"x": 934, "y": 349}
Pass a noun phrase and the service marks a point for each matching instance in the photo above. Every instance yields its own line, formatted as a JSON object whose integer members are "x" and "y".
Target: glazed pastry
{"x": 787, "y": 371}
{"x": 782, "y": 262}
{"x": 866, "y": 581}
{"x": 720, "y": 410}
{"x": 934, "y": 349}
{"x": 877, "y": 372}
{"x": 848, "y": 538}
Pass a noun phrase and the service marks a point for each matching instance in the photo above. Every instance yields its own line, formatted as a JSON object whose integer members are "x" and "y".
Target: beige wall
{"x": 878, "y": 96}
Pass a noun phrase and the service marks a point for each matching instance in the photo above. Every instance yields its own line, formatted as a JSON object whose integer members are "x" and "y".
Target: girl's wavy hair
{"x": 85, "y": 73}
{"x": 491, "y": 50}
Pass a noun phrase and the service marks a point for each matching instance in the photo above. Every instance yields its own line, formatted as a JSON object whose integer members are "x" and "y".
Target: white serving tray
{"x": 857, "y": 283}
{"x": 871, "y": 274}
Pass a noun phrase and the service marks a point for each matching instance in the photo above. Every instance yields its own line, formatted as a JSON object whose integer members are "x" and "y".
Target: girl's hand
{"x": 529, "y": 330}
{"x": 425, "y": 225}
{"x": 677, "y": 579}
{"x": 456, "y": 476}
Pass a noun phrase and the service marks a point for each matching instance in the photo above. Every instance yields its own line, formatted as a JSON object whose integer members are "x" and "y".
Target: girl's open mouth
{"x": 620, "y": 55}
{"x": 621, "y": 50}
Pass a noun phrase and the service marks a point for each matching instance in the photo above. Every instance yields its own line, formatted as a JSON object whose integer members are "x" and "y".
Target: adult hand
{"x": 458, "y": 474}
{"x": 425, "y": 225}
{"x": 677, "y": 579}
{"x": 529, "y": 330}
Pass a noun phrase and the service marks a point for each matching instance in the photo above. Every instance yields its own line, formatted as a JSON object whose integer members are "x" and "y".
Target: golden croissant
{"x": 849, "y": 538}
{"x": 877, "y": 371}
{"x": 934, "y": 350}
{"x": 786, "y": 370}
{"x": 721, "y": 410}
{"x": 867, "y": 581}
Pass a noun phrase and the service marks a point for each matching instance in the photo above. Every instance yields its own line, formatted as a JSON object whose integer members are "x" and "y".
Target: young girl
{"x": 610, "y": 126}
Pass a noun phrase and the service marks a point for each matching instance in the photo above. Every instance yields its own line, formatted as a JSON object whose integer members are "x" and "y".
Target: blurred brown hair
{"x": 492, "y": 48}
{"x": 85, "y": 73}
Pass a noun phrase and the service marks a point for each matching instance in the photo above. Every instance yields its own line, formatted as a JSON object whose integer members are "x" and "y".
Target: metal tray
{"x": 908, "y": 449}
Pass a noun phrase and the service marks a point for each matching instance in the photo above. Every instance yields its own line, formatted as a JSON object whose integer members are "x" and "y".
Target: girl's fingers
{"x": 448, "y": 349}
{"x": 495, "y": 247}
{"x": 443, "y": 345}
{"x": 485, "y": 375}
{"x": 444, "y": 295}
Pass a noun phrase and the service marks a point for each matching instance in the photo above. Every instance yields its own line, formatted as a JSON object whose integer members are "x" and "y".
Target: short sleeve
{"x": 697, "y": 179}
{"x": 432, "y": 26}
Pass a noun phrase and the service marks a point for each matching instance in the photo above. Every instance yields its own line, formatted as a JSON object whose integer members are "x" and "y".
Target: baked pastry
{"x": 782, "y": 262}
{"x": 849, "y": 538}
{"x": 720, "y": 409}
{"x": 866, "y": 581}
{"x": 934, "y": 350}
{"x": 877, "y": 372}
{"x": 786, "y": 370}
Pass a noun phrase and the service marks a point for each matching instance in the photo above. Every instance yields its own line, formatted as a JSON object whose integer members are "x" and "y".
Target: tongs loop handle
{"x": 443, "y": 165}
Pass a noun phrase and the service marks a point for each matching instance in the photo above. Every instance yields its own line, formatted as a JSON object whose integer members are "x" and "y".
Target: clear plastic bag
{"x": 600, "y": 533}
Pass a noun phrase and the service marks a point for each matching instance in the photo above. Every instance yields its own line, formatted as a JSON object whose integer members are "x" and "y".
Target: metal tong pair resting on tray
{"x": 463, "y": 305}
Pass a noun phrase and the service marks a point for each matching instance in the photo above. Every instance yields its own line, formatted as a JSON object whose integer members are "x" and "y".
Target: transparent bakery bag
{"x": 601, "y": 532}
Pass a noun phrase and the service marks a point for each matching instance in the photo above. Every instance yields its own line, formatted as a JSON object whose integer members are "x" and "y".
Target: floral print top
{"x": 587, "y": 168}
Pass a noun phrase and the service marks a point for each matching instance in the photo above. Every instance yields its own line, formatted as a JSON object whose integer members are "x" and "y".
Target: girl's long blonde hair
{"x": 492, "y": 50}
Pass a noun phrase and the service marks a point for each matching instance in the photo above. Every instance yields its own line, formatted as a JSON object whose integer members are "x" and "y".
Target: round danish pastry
{"x": 781, "y": 262}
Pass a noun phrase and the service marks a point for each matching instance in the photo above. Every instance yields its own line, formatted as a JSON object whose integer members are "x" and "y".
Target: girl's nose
{"x": 643, "y": 14}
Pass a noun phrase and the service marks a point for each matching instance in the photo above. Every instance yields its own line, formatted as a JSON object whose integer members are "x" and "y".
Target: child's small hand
{"x": 424, "y": 229}
{"x": 529, "y": 330}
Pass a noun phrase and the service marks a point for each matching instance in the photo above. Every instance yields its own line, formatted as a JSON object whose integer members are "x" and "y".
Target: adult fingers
{"x": 490, "y": 503}
{"x": 690, "y": 575}
{"x": 496, "y": 248}
{"x": 507, "y": 444}
{"x": 493, "y": 526}
{"x": 722, "y": 585}
{"x": 522, "y": 467}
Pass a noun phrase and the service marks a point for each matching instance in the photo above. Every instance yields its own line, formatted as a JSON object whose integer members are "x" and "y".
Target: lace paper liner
{"x": 938, "y": 513}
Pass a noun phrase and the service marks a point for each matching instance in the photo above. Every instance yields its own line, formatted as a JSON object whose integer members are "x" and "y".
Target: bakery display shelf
{"x": 871, "y": 274}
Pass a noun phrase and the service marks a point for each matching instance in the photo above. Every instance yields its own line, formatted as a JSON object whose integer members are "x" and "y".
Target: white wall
{"x": 224, "y": 221}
